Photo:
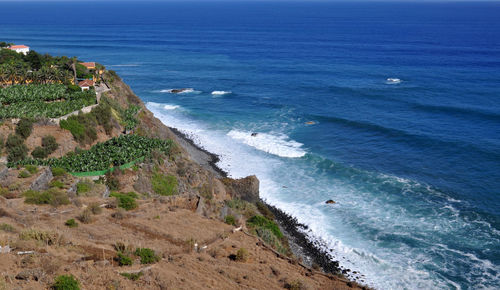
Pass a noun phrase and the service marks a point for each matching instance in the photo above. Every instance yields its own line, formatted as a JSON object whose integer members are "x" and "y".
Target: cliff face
{"x": 193, "y": 219}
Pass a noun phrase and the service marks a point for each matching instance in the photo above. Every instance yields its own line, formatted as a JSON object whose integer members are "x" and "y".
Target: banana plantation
{"x": 102, "y": 156}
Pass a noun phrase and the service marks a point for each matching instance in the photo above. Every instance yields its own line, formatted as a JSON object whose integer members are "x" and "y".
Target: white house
{"x": 20, "y": 49}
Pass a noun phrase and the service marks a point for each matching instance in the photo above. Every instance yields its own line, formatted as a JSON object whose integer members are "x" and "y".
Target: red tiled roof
{"x": 88, "y": 64}
{"x": 18, "y": 46}
{"x": 86, "y": 83}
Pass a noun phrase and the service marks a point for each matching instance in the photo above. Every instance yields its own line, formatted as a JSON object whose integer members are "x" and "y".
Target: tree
{"x": 71, "y": 64}
{"x": 34, "y": 59}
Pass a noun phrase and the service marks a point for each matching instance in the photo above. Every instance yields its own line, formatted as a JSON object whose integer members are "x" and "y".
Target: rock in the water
{"x": 178, "y": 91}
{"x": 42, "y": 181}
{"x": 330, "y": 201}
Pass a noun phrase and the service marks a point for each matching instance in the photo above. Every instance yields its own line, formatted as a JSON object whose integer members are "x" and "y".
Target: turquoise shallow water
{"x": 412, "y": 164}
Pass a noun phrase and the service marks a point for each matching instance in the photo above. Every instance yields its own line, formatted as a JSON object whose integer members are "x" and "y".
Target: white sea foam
{"x": 238, "y": 160}
{"x": 279, "y": 145}
{"x": 302, "y": 194}
{"x": 393, "y": 81}
{"x": 221, "y": 92}
{"x": 171, "y": 107}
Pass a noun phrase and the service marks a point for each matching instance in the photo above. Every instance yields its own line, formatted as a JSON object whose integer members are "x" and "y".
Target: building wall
{"x": 22, "y": 50}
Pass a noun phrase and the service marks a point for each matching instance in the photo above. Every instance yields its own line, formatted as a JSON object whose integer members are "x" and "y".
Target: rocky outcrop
{"x": 30, "y": 274}
{"x": 42, "y": 181}
{"x": 245, "y": 188}
{"x": 4, "y": 171}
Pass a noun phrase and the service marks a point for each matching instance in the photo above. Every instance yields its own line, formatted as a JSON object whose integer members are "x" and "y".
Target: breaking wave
{"x": 279, "y": 145}
{"x": 221, "y": 92}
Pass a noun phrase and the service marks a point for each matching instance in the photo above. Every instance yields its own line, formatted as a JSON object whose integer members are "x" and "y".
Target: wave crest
{"x": 277, "y": 145}
{"x": 221, "y": 92}
{"x": 393, "y": 81}
{"x": 171, "y": 107}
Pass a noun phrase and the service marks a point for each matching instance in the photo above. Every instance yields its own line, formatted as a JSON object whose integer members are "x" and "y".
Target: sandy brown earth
{"x": 87, "y": 251}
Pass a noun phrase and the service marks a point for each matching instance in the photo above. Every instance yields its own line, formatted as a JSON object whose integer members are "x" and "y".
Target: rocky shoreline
{"x": 206, "y": 159}
{"x": 310, "y": 254}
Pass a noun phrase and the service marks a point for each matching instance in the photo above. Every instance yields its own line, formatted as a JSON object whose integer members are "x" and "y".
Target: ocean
{"x": 392, "y": 110}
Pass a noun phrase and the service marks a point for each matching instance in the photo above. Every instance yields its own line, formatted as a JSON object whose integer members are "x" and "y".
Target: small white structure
{"x": 20, "y": 49}
{"x": 86, "y": 84}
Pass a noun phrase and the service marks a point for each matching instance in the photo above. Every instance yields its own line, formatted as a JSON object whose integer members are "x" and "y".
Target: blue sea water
{"x": 412, "y": 164}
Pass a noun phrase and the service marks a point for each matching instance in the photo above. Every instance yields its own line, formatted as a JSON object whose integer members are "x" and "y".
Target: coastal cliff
{"x": 171, "y": 219}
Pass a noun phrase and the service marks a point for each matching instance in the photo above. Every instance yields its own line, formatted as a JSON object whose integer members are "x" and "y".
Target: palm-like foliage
{"x": 114, "y": 152}
{"x": 49, "y": 100}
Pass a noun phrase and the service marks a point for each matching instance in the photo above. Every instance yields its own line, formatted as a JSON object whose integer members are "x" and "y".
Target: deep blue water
{"x": 414, "y": 166}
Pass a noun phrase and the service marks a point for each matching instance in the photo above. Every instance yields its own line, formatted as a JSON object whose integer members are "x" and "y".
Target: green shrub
{"x": 57, "y": 171}
{"x": 242, "y": 255}
{"x": 264, "y": 210}
{"x": 103, "y": 116}
{"x": 24, "y": 174}
{"x": 244, "y": 207}
{"x": 147, "y": 256}
{"x": 132, "y": 194}
{"x": 74, "y": 88}
{"x": 50, "y": 144}
{"x": 76, "y": 129}
{"x": 71, "y": 223}
{"x": 39, "y": 153}
{"x": 36, "y": 197}
{"x": 66, "y": 282}
{"x": 7, "y": 228}
{"x": 14, "y": 140}
{"x": 125, "y": 201}
{"x": 132, "y": 276}
{"x": 16, "y": 148}
{"x": 82, "y": 187}
{"x": 123, "y": 260}
{"x": 269, "y": 238}
{"x": 57, "y": 184}
{"x": 260, "y": 221}
{"x": 230, "y": 220}
{"x": 24, "y": 128}
{"x": 47, "y": 237}
{"x": 164, "y": 185}
{"x": 82, "y": 127}
{"x": 52, "y": 196}
{"x": 31, "y": 169}
{"x": 17, "y": 153}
